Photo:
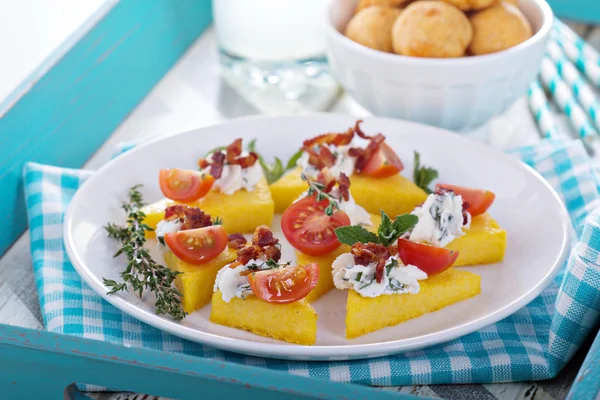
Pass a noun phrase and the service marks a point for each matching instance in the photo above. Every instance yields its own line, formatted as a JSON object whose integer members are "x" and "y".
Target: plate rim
{"x": 286, "y": 351}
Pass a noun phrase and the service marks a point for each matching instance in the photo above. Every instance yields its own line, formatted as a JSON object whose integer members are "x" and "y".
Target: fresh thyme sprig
{"x": 316, "y": 188}
{"x": 142, "y": 272}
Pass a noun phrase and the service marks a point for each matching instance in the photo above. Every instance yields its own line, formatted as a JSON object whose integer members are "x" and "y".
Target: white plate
{"x": 525, "y": 206}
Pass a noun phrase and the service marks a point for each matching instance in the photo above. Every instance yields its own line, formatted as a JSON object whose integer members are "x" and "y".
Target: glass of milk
{"x": 273, "y": 52}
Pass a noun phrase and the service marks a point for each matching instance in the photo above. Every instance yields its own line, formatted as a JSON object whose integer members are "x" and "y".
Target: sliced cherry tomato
{"x": 430, "y": 259}
{"x": 284, "y": 285}
{"x": 184, "y": 185}
{"x": 384, "y": 163}
{"x": 307, "y": 227}
{"x": 197, "y": 246}
{"x": 479, "y": 200}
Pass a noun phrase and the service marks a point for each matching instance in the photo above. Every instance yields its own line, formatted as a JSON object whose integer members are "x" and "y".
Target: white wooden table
{"x": 193, "y": 95}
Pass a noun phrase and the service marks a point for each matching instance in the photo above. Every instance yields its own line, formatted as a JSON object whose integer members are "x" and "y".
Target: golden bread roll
{"x": 372, "y": 27}
{"x": 362, "y": 4}
{"x": 468, "y": 5}
{"x": 498, "y": 28}
{"x": 431, "y": 29}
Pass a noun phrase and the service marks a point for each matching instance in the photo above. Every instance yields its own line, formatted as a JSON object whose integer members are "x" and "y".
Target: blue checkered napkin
{"x": 532, "y": 344}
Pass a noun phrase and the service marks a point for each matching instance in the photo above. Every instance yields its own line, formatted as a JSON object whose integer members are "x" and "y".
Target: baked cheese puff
{"x": 498, "y": 28}
{"x": 468, "y": 5}
{"x": 362, "y": 4}
{"x": 431, "y": 29}
{"x": 372, "y": 27}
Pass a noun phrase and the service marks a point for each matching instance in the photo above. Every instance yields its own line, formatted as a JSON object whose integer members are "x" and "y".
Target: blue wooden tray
{"x": 577, "y": 10}
{"x": 42, "y": 365}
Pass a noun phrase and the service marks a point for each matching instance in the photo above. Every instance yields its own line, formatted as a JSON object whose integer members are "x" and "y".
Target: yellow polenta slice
{"x": 394, "y": 195}
{"x": 325, "y": 283}
{"x": 241, "y": 212}
{"x": 197, "y": 281}
{"x": 293, "y": 322}
{"x": 483, "y": 243}
{"x": 365, "y": 314}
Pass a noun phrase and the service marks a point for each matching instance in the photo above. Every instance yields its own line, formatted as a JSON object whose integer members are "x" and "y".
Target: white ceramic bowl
{"x": 458, "y": 93}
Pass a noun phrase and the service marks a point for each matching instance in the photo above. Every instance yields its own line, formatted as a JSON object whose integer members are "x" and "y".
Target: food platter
{"x": 525, "y": 206}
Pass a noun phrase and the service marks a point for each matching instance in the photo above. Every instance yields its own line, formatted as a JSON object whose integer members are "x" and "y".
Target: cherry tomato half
{"x": 479, "y": 200}
{"x": 184, "y": 185}
{"x": 384, "y": 163}
{"x": 284, "y": 285}
{"x": 307, "y": 227}
{"x": 430, "y": 259}
{"x": 197, "y": 246}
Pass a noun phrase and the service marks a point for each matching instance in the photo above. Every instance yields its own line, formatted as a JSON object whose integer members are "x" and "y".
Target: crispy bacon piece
{"x": 236, "y": 240}
{"x": 324, "y": 158}
{"x": 379, "y": 268}
{"x": 231, "y": 156}
{"x": 263, "y": 243}
{"x": 203, "y": 163}
{"x": 216, "y": 164}
{"x": 273, "y": 252}
{"x": 264, "y": 237}
{"x": 248, "y": 161}
{"x": 248, "y": 253}
{"x": 359, "y": 131}
{"x": 344, "y": 186}
{"x": 234, "y": 150}
{"x": 191, "y": 217}
{"x": 393, "y": 249}
{"x": 336, "y": 139}
{"x": 367, "y": 253}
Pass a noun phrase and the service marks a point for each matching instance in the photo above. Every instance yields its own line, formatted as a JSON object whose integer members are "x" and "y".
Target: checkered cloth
{"x": 532, "y": 344}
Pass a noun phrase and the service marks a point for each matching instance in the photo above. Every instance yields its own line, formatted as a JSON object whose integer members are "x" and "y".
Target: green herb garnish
{"x": 142, "y": 272}
{"x": 389, "y": 231}
{"x": 318, "y": 189}
{"x": 422, "y": 175}
{"x": 392, "y": 264}
{"x": 269, "y": 264}
{"x": 275, "y": 170}
{"x": 217, "y": 221}
{"x": 355, "y": 234}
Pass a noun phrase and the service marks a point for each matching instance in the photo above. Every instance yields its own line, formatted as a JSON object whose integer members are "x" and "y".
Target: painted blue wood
{"x": 38, "y": 364}
{"x": 69, "y": 112}
{"x": 587, "y": 382}
{"x": 577, "y": 10}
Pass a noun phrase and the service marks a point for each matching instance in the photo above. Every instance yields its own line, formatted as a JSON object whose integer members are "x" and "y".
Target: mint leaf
{"x": 354, "y": 234}
{"x": 386, "y": 231}
{"x": 404, "y": 223}
{"x": 423, "y": 176}
{"x": 276, "y": 170}
{"x": 291, "y": 164}
{"x": 389, "y": 231}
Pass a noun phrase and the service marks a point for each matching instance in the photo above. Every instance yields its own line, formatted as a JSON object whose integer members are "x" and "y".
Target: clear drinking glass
{"x": 273, "y": 51}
